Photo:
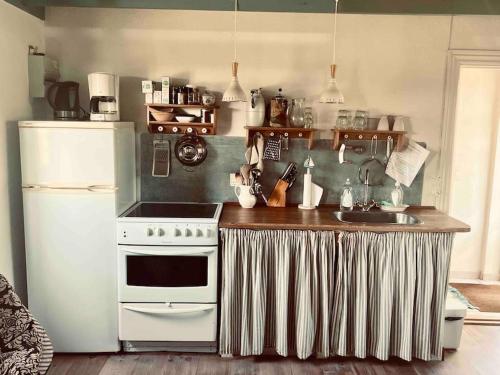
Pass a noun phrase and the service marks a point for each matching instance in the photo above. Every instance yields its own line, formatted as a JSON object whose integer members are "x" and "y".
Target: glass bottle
{"x": 397, "y": 195}
{"x": 308, "y": 117}
{"x": 346, "y": 199}
{"x": 296, "y": 113}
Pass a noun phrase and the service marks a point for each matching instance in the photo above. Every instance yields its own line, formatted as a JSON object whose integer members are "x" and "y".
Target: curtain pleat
{"x": 303, "y": 292}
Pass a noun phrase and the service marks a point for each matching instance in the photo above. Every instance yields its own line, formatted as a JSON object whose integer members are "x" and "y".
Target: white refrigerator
{"x": 77, "y": 177}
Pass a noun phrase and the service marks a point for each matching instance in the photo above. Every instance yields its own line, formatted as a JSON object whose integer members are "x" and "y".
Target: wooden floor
{"x": 479, "y": 354}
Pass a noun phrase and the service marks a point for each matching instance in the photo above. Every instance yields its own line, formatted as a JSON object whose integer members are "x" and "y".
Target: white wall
{"x": 475, "y": 174}
{"x": 17, "y": 30}
{"x": 386, "y": 64}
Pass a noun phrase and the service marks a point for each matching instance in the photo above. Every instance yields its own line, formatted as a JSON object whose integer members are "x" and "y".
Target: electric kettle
{"x": 64, "y": 100}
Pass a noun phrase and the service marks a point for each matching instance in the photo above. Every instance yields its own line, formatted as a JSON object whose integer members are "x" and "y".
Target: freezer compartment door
{"x": 67, "y": 156}
{"x": 71, "y": 267}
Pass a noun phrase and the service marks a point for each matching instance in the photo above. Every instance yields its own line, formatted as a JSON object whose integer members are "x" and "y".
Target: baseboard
{"x": 466, "y": 275}
{"x": 491, "y": 277}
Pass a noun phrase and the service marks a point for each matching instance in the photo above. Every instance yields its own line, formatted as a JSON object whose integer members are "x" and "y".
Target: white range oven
{"x": 167, "y": 276}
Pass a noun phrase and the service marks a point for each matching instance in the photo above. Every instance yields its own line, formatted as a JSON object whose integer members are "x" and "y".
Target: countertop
{"x": 262, "y": 217}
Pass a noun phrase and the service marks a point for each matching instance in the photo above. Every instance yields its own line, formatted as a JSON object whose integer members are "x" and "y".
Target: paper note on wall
{"x": 403, "y": 166}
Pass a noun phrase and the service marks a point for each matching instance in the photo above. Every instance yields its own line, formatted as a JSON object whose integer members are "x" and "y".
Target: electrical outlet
{"x": 232, "y": 179}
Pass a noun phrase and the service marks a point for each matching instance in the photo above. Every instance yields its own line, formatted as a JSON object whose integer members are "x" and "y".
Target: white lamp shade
{"x": 234, "y": 92}
{"x": 332, "y": 93}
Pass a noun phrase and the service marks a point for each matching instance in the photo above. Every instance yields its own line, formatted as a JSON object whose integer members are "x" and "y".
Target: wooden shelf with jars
{"x": 342, "y": 135}
{"x": 161, "y": 118}
{"x": 268, "y": 131}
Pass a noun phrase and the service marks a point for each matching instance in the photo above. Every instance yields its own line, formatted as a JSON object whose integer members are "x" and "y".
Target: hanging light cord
{"x": 234, "y": 35}
{"x": 335, "y": 29}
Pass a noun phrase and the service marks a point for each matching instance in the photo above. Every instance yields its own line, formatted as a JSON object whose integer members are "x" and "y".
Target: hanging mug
{"x": 245, "y": 197}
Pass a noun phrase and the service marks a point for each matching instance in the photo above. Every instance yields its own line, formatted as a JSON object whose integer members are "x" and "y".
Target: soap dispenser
{"x": 346, "y": 200}
{"x": 397, "y": 195}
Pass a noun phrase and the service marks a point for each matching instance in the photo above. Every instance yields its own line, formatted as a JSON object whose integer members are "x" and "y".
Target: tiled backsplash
{"x": 209, "y": 182}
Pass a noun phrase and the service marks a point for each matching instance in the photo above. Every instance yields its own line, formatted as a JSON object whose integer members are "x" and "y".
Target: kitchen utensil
{"x": 245, "y": 196}
{"x": 272, "y": 151}
{"x": 383, "y": 124}
{"x": 295, "y": 113}
{"x": 256, "y": 189}
{"x": 372, "y": 167}
{"x": 63, "y": 97}
{"x": 388, "y": 150}
{"x": 341, "y": 155}
{"x": 191, "y": 149}
{"x": 185, "y": 118}
{"x": 290, "y": 174}
{"x": 161, "y": 158}
{"x": 399, "y": 124}
{"x": 256, "y": 108}
{"x": 245, "y": 173}
{"x": 279, "y": 106}
{"x": 163, "y": 115}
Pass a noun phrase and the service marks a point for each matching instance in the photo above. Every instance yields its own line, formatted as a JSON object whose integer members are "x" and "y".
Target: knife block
{"x": 278, "y": 196}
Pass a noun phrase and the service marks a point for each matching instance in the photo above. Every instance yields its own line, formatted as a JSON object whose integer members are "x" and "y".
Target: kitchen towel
{"x": 297, "y": 292}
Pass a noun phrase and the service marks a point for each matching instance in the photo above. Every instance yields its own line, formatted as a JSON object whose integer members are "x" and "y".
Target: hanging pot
{"x": 191, "y": 149}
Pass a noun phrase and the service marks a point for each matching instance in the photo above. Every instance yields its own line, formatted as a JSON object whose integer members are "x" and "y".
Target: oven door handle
{"x": 170, "y": 252}
{"x": 169, "y": 310}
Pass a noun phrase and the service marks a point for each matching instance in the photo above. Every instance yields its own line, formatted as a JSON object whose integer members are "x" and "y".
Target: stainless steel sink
{"x": 398, "y": 218}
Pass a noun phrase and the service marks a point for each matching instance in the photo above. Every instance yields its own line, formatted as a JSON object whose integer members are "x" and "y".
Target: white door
{"x": 71, "y": 260}
{"x": 71, "y": 157}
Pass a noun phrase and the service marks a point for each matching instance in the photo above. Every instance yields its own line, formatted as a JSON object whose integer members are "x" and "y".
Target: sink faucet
{"x": 366, "y": 204}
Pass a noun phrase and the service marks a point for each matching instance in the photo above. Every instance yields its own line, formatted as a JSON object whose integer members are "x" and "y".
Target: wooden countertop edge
{"x": 433, "y": 221}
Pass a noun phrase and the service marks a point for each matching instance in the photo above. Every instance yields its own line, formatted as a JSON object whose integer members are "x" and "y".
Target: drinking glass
{"x": 343, "y": 119}
{"x": 360, "y": 121}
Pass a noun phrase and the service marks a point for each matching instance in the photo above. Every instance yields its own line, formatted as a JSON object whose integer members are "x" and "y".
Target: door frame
{"x": 457, "y": 59}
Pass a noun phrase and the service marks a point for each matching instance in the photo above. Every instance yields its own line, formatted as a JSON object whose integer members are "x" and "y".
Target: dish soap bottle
{"x": 346, "y": 201}
{"x": 397, "y": 195}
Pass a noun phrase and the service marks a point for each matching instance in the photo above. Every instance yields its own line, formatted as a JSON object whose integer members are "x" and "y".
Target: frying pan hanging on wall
{"x": 191, "y": 149}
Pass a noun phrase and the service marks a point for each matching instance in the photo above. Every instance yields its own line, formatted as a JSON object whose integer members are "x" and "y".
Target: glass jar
{"x": 190, "y": 94}
{"x": 308, "y": 117}
{"x": 182, "y": 95}
{"x": 360, "y": 121}
{"x": 296, "y": 113}
{"x": 343, "y": 120}
{"x": 175, "y": 92}
{"x": 196, "y": 96}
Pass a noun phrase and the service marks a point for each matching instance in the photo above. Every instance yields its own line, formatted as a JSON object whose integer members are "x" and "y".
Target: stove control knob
{"x": 149, "y": 232}
{"x": 160, "y": 232}
{"x": 187, "y": 232}
{"x": 208, "y": 233}
{"x": 199, "y": 233}
{"x": 177, "y": 232}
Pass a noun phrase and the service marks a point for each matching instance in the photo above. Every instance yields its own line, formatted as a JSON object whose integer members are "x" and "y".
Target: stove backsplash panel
{"x": 209, "y": 182}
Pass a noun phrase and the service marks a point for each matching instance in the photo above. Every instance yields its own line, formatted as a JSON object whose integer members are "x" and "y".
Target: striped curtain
{"x": 296, "y": 292}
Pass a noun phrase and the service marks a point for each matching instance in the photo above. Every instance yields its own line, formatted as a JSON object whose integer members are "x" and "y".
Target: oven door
{"x": 186, "y": 274}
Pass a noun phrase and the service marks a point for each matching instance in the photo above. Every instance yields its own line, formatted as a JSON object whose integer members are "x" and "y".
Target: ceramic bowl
{"x": 166, "y": 115}
{"x": 185, "y": 118}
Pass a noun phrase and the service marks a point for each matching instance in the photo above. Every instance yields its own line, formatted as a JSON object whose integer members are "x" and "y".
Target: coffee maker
{"x": 104, "y": 97}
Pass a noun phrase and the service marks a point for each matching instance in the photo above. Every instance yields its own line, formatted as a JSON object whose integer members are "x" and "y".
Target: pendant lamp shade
{"x": 234, "y": 92}
{"x": 332, "y": 93}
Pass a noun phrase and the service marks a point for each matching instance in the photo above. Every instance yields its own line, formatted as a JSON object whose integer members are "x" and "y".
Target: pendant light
{"x": 234, "y": 92}
{"x": 332, "y": 93}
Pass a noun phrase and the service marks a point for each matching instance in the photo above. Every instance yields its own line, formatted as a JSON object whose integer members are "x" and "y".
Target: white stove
{"x": 167, "y": 276}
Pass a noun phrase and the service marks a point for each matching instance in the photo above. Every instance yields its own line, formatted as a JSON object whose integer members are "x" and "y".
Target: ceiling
{"x": 486, "y": 7}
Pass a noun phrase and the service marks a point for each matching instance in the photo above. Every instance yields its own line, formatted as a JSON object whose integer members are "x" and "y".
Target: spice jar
{"x": 175, "y": 91}
{"x": 189, "y": 93}
{"x": 182, "y": 96}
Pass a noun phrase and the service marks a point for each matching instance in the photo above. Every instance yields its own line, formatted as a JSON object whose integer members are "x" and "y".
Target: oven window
{"x": 167, "y": 271}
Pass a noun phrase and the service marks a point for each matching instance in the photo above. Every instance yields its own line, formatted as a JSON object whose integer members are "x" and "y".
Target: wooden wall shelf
{"x": 268, "y": 131}
{"x": 175, "y": 127}
{"x": 340, "y": 136}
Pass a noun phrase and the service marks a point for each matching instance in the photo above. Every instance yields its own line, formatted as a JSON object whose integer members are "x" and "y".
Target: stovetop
{"x": 173, "y": 212}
